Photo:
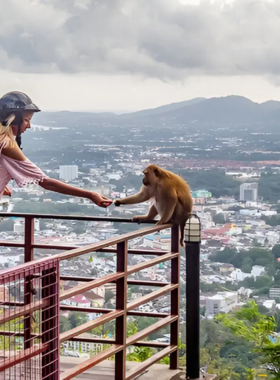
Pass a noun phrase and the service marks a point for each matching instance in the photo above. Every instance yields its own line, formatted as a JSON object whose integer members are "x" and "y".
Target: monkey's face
{"x": 150, "y": 177}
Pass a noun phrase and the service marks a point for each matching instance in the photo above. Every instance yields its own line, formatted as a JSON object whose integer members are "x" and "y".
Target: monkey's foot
{"x": 140, "y": 219}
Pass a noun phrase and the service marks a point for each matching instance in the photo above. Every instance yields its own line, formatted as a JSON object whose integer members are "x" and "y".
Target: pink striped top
{"x": 23, "y": 172}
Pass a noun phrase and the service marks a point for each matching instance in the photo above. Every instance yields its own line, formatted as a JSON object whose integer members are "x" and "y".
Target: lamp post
{"x": 192, "y": 247}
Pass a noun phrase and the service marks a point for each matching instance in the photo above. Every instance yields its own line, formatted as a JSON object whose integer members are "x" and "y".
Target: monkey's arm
{"x": 146, "y": 218}
{"x": 140, "y": 197}
{"x": 170, "y": 201}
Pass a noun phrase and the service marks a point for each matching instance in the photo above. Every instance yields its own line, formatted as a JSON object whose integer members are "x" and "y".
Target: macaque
{"x": 171, "y": 196}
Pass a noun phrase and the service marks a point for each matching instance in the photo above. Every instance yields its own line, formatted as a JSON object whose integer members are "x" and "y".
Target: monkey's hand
{"x": 117, "y": 202}
{"x": 160, "y": 223}
{"x": 140, "y": 219}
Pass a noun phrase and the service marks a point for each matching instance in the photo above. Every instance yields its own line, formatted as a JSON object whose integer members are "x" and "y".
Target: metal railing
{"x": 123, "y": 308}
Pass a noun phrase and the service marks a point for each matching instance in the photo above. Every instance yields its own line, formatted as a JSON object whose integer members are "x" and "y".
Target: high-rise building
{"x": 249, "y": 192}
{"x": 68, "y": 172}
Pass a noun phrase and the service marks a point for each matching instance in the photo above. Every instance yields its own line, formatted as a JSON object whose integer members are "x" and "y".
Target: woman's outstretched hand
{"x": 100, "y": 200}
{"x": 7, "y": 192}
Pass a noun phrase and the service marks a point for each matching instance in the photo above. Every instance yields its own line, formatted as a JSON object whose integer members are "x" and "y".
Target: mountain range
{"x": 230, "y": 110}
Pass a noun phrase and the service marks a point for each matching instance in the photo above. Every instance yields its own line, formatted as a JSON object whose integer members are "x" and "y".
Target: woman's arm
{"x": 57, "y": 186}
{"x": 63, "y": 188}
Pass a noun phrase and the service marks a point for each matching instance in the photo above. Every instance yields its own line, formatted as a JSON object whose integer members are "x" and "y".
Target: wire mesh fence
{"x": 29, "y": 321}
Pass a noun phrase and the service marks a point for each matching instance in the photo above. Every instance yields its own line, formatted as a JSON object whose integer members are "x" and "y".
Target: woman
{"x": 16, "y": 111}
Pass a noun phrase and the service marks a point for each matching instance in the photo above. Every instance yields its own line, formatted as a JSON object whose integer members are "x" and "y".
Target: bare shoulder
{"x": 13, "y": 152}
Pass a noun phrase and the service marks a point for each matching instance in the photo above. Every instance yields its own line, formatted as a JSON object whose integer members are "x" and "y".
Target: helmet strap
{"x": 18, "y": 137}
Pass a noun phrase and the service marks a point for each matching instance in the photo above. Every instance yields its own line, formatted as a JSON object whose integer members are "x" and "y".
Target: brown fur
{"x": 171, "y": 194}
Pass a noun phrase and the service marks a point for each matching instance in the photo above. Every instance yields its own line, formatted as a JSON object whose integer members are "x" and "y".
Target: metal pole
{"x": 192, "y": 246}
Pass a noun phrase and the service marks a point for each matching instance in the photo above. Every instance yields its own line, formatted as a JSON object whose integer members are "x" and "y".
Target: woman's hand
{"x": 7, "y": 192}
{"x": 100, "y": 200}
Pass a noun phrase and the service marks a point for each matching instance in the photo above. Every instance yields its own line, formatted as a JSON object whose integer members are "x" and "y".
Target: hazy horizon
{"x": 126, "y": 56}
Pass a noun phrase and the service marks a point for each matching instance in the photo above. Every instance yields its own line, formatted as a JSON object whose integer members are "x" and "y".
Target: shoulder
{"x": 13, "y": 152}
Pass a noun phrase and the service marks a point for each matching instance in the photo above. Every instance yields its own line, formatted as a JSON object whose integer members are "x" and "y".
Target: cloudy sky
{"x": 126, "y": 55}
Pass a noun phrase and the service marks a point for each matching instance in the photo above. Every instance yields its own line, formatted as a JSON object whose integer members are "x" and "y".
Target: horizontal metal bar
{"x": 151, "y": 263}
{"x": 11, "y": 303}
{"x": 97, "y": 310}
{"x": 90, "y": 325}
{"x": 151, "y": 296}
{"x": 17, "y": 333}
{"x": 109, "y": 242}
{"x": 129, "y": 282}
{"x": 70, "y": 217}
{"x": 136, "y": 252}
{"x": 70, "y": 247}
{"x": 149, "y": 330}
{"x": 147, "y": 363}
{"x": 147, "y": 343}
{"x": 92, "y": 340}
{"x": 90, "y": 285}
{"x": 134, "y": 313}
{"x": 9, "y": 315}
{"x": 22, "y": 356}
{"x": 11, "y": 244}
{"x": 140, "y": 343}
{"x": 81, "y": 368}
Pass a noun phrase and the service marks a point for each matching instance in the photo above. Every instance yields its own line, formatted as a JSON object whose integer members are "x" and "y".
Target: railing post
{"x": 121, "y": 304}
{"x": 175, "y": 296}
{"x": 192, "y": 244}
{"x": 50, "y": 323}
{"x": 28, "y": 295}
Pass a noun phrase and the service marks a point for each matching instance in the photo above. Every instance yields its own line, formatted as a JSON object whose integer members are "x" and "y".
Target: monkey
{"x": 172, "y": 199}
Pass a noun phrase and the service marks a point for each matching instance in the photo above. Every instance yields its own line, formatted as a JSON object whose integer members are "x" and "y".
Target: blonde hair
{"x": 7, "y": 138}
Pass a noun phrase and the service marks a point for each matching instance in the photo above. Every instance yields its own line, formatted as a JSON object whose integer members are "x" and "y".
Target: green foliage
{"x": 108, "y": 296}
{"x": 276, "y": 251}
{"x": 248, "y": 323}
{"x": 140, "y": 354}
{"x": 65, "y": 324}
{"x": 245, "y": 260}
{"x": 219, "y": 219}
{"x": 76, "y": 319}
{"x": 214, "y": 181}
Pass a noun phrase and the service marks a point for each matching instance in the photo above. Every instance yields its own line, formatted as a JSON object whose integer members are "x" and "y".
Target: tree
{"x": 77, "y": 319}
{"x": 247, "y": 268}
{"x": 219, "y": 219}
{"x": 65, "y": 324}
{"x": 140, "y": 354}
{"x": 276, "y": 251}
{"x": 257, "y": 328}
{"x": 109, "y": 295}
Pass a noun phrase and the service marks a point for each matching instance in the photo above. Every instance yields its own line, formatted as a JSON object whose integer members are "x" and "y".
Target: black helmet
{"x": 15, "y": 103}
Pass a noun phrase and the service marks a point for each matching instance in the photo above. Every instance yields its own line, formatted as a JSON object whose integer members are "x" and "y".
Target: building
{"x": 68, "y": 172}
{"x": 249, "y": 192}
{"x": 222, "y": 302}
{"x": 274, "y": 293}
{"x": 85, "y": 347}
{"x": 201, "y": 194}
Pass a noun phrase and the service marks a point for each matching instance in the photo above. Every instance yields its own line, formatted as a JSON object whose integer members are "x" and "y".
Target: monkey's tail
{"x": 182, "y": 233}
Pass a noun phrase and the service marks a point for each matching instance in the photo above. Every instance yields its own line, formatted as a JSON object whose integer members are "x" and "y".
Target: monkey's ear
{"x": 157, "y": 172}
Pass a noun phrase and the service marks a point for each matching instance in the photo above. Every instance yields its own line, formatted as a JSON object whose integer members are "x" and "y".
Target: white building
{"x": 238, "y": 275}
{"x": 68, "y": 172}
{"x": 274, "y": 293}
{"x": 85, "y": 347}
{"x": 249, "y": 192}
{"x": 222, "y": 302}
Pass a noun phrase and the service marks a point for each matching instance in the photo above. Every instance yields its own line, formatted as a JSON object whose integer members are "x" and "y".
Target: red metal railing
{"x": 123, "y": 308}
